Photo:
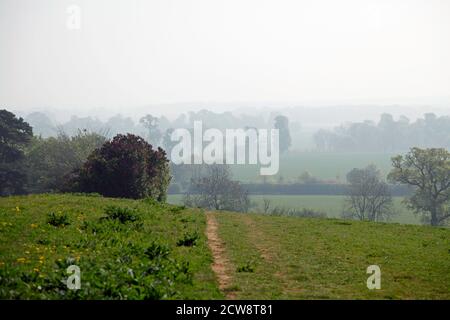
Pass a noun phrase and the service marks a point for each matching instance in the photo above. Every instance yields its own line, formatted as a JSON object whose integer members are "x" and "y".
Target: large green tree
{"x": 15, "y": 134}
{"x": 428, "y": 172}
{"x": 49, "y": 160}
{"x": 151, "y": 123}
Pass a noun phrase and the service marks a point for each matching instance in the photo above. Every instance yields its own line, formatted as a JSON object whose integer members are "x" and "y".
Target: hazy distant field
{"x": 331, "y": 205}
{"x": 322, "y": 165}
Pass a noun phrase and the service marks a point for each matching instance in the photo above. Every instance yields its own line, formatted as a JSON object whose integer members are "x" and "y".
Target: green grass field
{"x": 132, "y": 260}
{"x": 304, "y": 258}
{"x": 331, "y": 205}
{"x": 159, "y": 251}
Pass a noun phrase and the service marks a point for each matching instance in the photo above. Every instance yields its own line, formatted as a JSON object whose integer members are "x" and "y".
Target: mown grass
{"x": 301, "y": 258}
{"x": 125, "y": 249}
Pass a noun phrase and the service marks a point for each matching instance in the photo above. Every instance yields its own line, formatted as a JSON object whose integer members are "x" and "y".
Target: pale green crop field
{"x": 331, "y": 205}
{"x": 323, "y": 165}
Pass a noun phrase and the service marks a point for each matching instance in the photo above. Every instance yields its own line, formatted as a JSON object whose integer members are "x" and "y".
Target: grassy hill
{"x": 307, "y": 258}
{"x": 138, "y": 249}
{"x": 148, "y": 258}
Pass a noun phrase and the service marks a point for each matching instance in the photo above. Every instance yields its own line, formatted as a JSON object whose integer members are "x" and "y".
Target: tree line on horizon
{"x": 387, "y": 135}
{"x": 128, "y": 166}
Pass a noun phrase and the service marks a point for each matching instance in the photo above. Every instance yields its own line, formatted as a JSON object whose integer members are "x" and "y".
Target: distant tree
{"x": 41, "y": 124}
{"x": 282, "y": 124}
{"x": 15, "y": 134}
{"x": 387, "y": 135}
{"x": 126, "y": 167}
{"x": 368, "y": 196}
{"x": 307, "y": 177}
{"x": 216, "y": 191}
{"x": 75, "y": 124}
{"x": 250, "y": 139}
{"x": 388, "y": 132}
{"x": 323, "y": 140}
{"x": 119, "y": 124}
{"x": 49, "y": 160}
{"x": 151, "y": 124}
{"x": 428, "y": 172}
{"x": 167, "y": 142}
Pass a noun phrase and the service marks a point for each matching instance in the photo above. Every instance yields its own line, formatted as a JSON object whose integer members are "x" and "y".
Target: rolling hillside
{"x": 138, "y": 249}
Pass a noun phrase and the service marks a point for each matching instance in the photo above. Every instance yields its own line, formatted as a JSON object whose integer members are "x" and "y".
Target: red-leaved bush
{"x": 126, "y": 167}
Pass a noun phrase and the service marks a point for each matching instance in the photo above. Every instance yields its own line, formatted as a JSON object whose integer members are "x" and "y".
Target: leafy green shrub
{"x": 122, "y": 214}
{"x": 246, "y": 267}
{"x": 58, "y": 219}
{"x": 156, "y": 250}
{"x": 50, "y": 161}
{"x": 300, "y": 213}
{"x": 309, "y": 213}
{"x": 189, "y": 239}
{"x": 183, "y": 272}
{"x": 177, "y": 209}
{"x": 86, "y": 194}
{"x": 44, "y": 242}
{"x": 153, "y": 202}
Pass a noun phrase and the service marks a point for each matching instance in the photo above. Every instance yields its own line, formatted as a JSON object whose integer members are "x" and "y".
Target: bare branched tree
{"x": 216, "y": 190}
{"x": 368, "y": 196}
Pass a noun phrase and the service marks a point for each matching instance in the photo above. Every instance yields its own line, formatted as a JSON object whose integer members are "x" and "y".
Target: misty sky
{"x": 134, "y": 53}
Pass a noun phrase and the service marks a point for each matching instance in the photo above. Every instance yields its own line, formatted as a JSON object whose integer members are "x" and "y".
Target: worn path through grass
{"x": 221, "y": 265}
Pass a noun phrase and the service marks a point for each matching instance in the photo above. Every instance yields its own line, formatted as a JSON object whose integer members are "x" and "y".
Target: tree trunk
{"x": 434, "y": 219}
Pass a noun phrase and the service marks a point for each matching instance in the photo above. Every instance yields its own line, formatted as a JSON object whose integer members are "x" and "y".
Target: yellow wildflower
{"x": 33, "y": 225}
{"x": 36, "y": 269}
{"x": 21, "y": 260}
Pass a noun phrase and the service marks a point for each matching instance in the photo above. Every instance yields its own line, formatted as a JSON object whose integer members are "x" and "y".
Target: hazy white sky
{"x": 135, "y": 53}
